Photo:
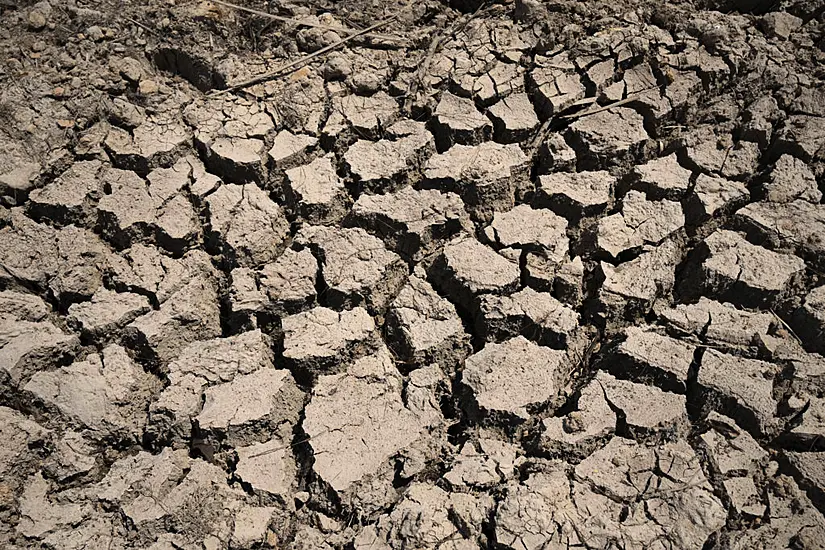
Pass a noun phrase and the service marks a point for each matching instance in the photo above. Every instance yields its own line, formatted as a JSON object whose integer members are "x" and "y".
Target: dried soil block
{"x": 235, "y": 159}
{"x": 496, "y": 80}
{"x": 797, "y": 226}
{"x": 107, "y": 312}
{"x": 607, "y": 402}
{"x": 289, "y": 150}
{"x": 152, "y": 490}
{"x": 635, "y": 285}
{"x": 526, "y": 228}
{"x": 303, "y": 103}
{"x": 245, "y": 300}
{"x": 466, "y": 269}
{"x": 70, "y": 198}
{"x": 779, "y": 24}
{"x": 32, "y": 347}
{"x": 32, "y": 343}
{"x": 640, "y": 222}
{"x": 145, "y": 270}
{"x": 712, "y": 197}
{"x": 745, "y": 274}
{"x": 357, "y": 421}
{"x": 21, "y": 306}
{"x": 178, "y": 225}
{"x": 649, "y": 356}
{"x": 247, "y": 226}
{"x": 324, "y": 340}
{"x": 745, "y": 497}
{"x": 635, "y": 470}
{"x": 488, "y": 176}
{"x": 716, "y": 323}
{"x": 457, "y": 121}
{"x": 759, "y": 118}
{"x": 412, "y": 222}
{"x": 802, "y": 136}
{"x": 106, "y": 394}
{"x": 316, "y": 193}
{"x": 69, "y": 262}
{"x": 580, "y": 430}
{"x": 810, "y": 469}
{"x": 576, "y": 195}
{"x": 511, "y": 380}
{"x": 484, "y": 463}
{"x": 636, "y": 463}
{"x": 289, "y": 283}
{"x": 192, "y": 313}
{"x": 423, "y": 328}
{"x": 742, "y": 389}
{"x": 731, "y": 449}
{"x": 609, "y": 489}
{"x": 810, "y": 432}
{"x": 361, "y": 116}
{"x": 18, "y": 174}
{"x": 662, "y": 178}
{"x": 27, "y": 252}
{"x": 791, "y": 179}
{"x": 199, "y": 366}
{"x": 230, "y": 117}
{"x": 608, "y": 137}
{"x": 730, "y": 161}
{"x": 432, "y": 506}
{"x": 356, "y": 268}
{"x": 568, "y": 281}
{"x": 387, "y": 165}
{"x": 555, "y": 155}
{"x": 271, "y": 403}
{"x": 156, "y": 142}
{"x": 128, "y": 212}
{"x": 536, "y": 315}
{"x": 19, "y": 434}
{"x": 513, "y": 118}
{"x": 645, "y": 410}
{"x": 555, "y": 85}
{"x": 269, "y": 469}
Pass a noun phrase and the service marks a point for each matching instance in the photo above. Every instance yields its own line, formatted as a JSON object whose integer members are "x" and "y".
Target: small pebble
{"x": 95, "y": 33}
{"x": 36, "y": 20}
{"x": 148, "y": 87}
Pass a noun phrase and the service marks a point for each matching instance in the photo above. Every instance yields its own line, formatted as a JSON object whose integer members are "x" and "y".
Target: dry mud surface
{"x": 522, "y": 275}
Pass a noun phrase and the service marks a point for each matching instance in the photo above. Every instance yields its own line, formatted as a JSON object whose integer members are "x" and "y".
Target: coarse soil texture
{"x": 412, "y": 275}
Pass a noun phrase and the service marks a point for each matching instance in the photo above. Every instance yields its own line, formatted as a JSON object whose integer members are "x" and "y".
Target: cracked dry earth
{"x": 520, "y": 275}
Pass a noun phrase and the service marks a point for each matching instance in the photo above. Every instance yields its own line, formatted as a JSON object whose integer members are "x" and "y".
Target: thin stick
{"x": 423, "y": 68}
{"x": 628, "y": 99}
{"x": 296, "y": 21}
{"x": 142, "y": 26}
{"x": 583, "y": 101}
{"x": 277, "y": 72}
{"x": 538, "y": 138}
{"x": 787, "y": 327}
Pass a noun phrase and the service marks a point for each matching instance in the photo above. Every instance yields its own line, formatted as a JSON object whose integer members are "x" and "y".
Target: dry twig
{"x": 303, "y": 60}
{"x": 628, "y": 99}
{"x": 787, "y": 327}
{"x": 301, "y": 23}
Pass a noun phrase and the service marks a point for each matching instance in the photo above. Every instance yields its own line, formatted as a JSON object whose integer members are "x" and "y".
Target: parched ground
{"x": 522, "y": 275}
